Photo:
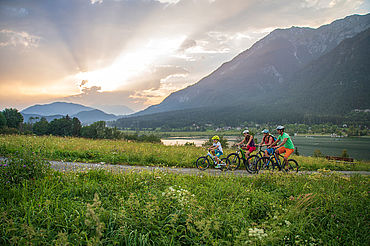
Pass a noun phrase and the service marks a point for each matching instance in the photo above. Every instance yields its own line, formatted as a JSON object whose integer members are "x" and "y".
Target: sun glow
{"x": 131, "y": 64}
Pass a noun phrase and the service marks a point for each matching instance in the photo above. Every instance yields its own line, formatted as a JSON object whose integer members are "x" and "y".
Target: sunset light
{"x": 131, "y": 64}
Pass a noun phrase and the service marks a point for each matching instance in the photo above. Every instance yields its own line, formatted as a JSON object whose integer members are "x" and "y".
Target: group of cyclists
{"x": 281, "y": 144}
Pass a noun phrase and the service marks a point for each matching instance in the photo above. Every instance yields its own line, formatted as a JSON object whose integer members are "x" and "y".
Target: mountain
{"x": 62, "y": 108}
{"x": 94, "y": 115}
{"x": 115, "y": 109}
{"x": 57, "y": 110}
{"x": 292, "y": 75}
{"x": 337, "y": 82}
{"x": 268, "y": 65}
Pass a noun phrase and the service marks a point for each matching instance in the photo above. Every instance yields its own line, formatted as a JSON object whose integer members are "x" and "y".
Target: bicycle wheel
{"x": 265, "y": 163}
{"x": 260, "y": 154}
{"x": 251, "y": 164}
{"x": 225, "y": 163}
{"x": 202, "y": 163}
{"x": 234, "y": 161}
{"x": 292, "y": 166}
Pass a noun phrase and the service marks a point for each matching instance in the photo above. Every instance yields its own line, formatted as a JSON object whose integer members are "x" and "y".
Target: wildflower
{"x": 24, "y": 165}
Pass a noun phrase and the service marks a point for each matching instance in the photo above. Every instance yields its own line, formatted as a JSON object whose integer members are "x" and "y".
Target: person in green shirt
{"x": 286, "y": 144}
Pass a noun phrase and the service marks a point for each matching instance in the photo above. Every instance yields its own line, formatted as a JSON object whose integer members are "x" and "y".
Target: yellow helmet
{"x": 216, "y": 137}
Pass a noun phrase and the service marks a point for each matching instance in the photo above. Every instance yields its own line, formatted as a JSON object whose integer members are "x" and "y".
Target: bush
{"x": 317, "y": 153}
{"x": 24, "y": 167}
{"x": 344, "y": 154}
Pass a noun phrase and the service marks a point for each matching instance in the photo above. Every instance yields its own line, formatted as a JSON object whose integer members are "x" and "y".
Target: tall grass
{"x": 133, "y": 153}
{"x": 160, "y": 208}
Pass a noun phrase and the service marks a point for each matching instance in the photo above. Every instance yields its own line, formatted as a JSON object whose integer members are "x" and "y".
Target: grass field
{"x": 123, "y": 152}
{"x": 159, "y": 208}
{"x": 40, "y": 206}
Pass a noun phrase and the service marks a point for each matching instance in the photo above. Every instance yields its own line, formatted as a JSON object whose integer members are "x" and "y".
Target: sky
{"x": 111, "y": 54}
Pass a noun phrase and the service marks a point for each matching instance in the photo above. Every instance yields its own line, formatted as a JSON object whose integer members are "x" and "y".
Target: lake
{"x": 358, "y": 148}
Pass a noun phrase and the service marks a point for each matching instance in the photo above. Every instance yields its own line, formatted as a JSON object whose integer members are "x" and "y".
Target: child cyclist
{"x": 249, "y": 143}
{"x": 286, "y": 144}
{"x": 267, "y": 140}
{"x": 216, "y": 150}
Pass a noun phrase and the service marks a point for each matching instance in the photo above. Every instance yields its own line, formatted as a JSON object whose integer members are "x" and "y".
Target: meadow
{"x": 161, "y": 208}
{"x": 134, "y": 153}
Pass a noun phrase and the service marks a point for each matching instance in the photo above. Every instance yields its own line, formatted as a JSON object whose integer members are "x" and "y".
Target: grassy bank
{"x": 123, "y": 152}
{"x": 157, "y": 208}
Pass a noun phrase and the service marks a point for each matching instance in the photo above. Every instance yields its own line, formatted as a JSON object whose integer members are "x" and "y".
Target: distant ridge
{"x": 58, "y": 110}
{"x": 62, "y": 108}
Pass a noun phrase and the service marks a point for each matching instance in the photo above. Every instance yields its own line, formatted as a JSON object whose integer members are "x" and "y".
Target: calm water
{"x": 358, "y": 148}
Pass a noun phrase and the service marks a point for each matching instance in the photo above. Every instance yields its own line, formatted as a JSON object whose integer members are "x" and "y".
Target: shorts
{"x": 270, "y": 151}
{"x": 288, "y": 152}
{"x": 218, "y": 153}
{"x": 251, "y": 149}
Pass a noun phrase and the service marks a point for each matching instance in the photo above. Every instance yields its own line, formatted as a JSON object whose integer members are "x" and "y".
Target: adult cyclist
{"x": 267, "y": 140}
{"x": 286, "y": 144}
{"x": 249, "y": 143}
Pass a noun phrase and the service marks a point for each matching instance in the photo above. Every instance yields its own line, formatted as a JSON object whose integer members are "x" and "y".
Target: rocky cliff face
{"x": 258, "y": 72}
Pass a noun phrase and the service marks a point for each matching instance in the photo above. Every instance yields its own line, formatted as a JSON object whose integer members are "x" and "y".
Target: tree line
{"x": 11, "y": 121}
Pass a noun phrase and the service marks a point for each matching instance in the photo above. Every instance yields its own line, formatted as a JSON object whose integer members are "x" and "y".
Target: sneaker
{"x": 218, "y": 166}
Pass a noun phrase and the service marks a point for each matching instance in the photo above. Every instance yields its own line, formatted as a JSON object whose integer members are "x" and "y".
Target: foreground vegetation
{"x": 160, "y": 208}
{"x": 133, "y": 153}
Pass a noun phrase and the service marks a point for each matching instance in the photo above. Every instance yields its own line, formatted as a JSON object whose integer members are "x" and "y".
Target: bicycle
{"x": 273, "y": 162}
{"x": 249, "y": 163}
{"x": 203, "y": 162}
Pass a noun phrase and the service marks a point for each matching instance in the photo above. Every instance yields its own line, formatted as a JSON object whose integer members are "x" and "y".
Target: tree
{"x": 13, "y": 118}
{"x": 2, "y": 120}
{"x": 41, "y": 127}
{"x": 76, "y": 127}
{"x": 61, "y": 127}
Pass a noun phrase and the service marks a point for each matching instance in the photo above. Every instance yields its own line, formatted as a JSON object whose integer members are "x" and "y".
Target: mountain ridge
{"x": 259, "y": 70}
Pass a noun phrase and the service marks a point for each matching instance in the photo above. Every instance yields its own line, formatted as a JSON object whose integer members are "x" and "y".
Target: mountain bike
{"x": 249, "y": 163}
{"x": 203, "y": 162}
{"x": 273, "y": 162}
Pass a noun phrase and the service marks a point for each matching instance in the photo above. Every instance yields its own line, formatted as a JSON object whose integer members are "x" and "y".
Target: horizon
{"x": 105, "y": 53}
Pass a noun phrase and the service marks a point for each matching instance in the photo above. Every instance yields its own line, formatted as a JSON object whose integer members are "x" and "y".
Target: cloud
{"x": 13, "y": 38}
{"x": 96, "y": 1}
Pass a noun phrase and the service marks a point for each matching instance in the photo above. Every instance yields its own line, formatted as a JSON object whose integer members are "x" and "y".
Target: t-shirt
{"x": 246, "y": 139}
{"x": 219, "y": 147}
{"x": 288, "y": 144}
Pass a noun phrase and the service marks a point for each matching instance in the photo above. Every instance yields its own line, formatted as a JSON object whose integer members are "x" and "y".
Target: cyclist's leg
{"x": 288, "y": 152}
{"x": 217, "y": 156}
{"x": 279, "y": 151}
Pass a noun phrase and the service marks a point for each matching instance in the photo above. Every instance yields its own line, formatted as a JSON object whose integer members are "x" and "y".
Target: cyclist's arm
{"x": 274, "y": 143}
{"x": 250, "y": 139}
{"x": 241, "y": 142}
{"x": 282, "y": 143}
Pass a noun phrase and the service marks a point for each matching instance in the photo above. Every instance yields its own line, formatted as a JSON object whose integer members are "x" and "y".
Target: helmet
{"x": 280, "y": 128}
{"x": 265, "y": 131}
{"x": 216, "y": 137}
{"x": 245, "y": 131}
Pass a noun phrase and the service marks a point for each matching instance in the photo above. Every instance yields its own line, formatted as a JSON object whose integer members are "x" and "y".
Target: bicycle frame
{"x": 212, "y": 157}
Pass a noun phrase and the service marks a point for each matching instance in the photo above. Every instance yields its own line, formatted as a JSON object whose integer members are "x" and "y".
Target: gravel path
{"x": 79, "y": 166}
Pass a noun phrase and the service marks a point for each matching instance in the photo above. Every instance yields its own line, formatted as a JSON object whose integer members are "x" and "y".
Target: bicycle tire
{"x": 202, "y": 163}
{"x": 292, "y": 166}
{"x": 265, "y": 163}
{"x": 234, "y": 160}
{"x": 251, "y": 164}
{"x": 227, "y": 164}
